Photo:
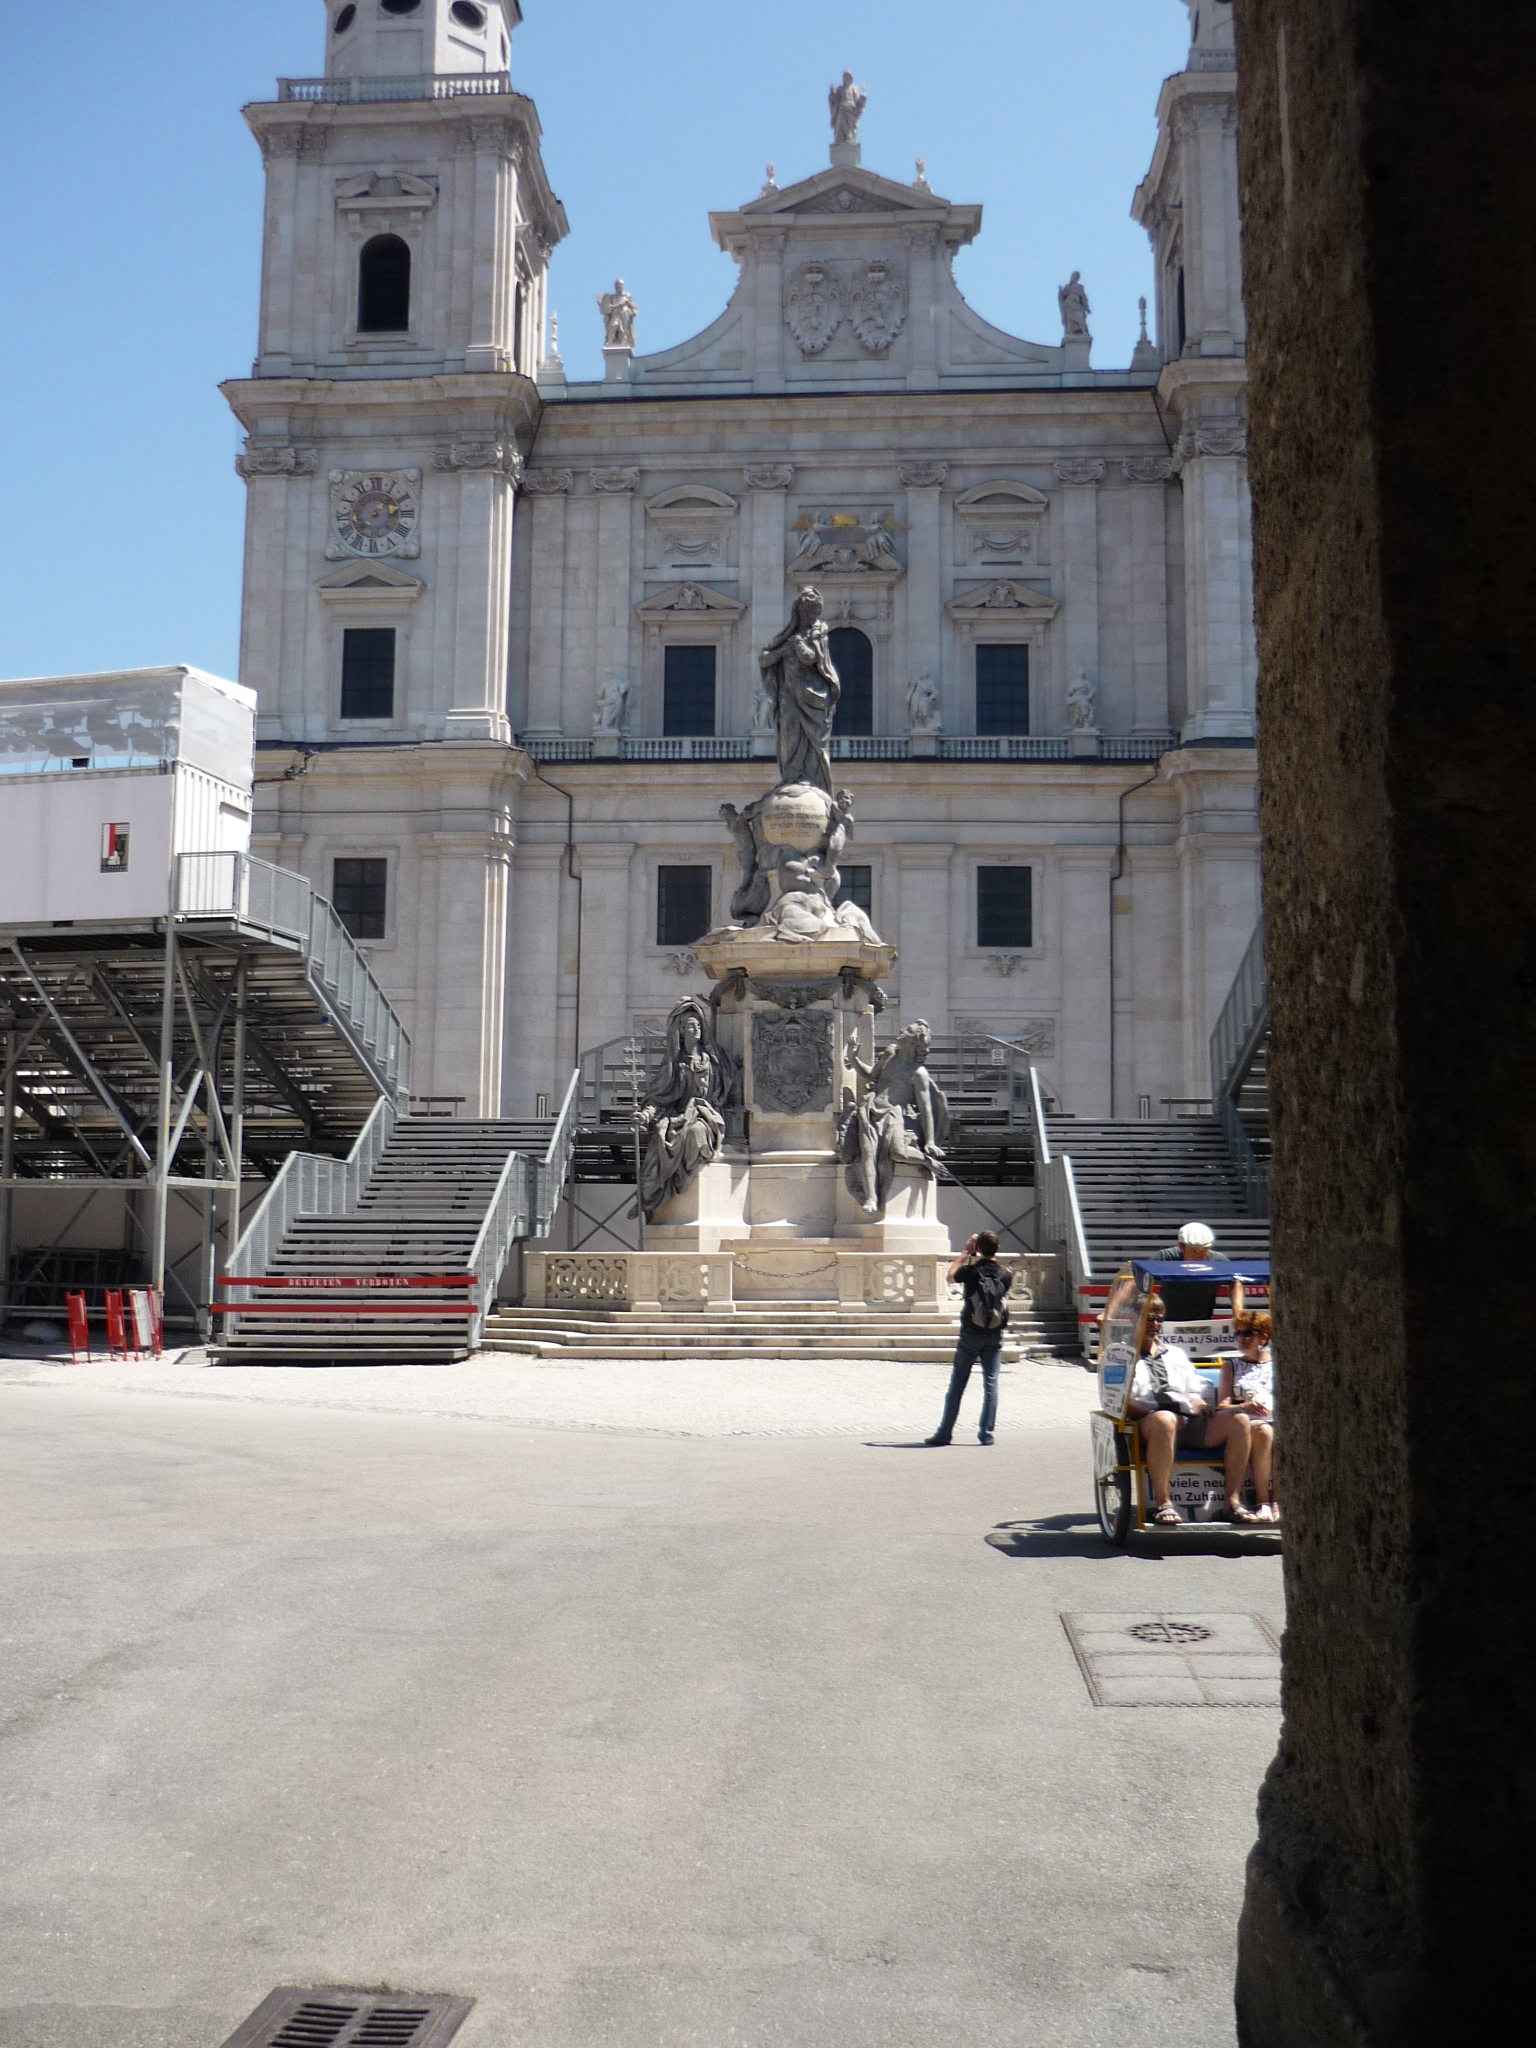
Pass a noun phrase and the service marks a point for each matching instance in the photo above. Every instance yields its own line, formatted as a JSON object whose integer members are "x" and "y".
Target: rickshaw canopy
{"x": 1251, "y": 1271}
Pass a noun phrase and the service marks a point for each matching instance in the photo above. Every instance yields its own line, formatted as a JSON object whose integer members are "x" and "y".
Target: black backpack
{"x": 986, "y": 1308}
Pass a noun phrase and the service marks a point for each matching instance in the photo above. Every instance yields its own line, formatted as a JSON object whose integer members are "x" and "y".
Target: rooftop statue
{"x": 803, "y": 688}
{"x": 902, "y": 1118}
{"x": 681, "y": 1125}
{"x": 847, "y": 102}
{"x": 1073, "y": 301}
{"x": 618, "y": 310}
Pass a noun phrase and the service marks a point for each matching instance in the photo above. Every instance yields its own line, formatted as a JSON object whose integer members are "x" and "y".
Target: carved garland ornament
{"x": 813, "y": 306}
{"x": 276, "y": 462}
{"x": 548, "y": 483}
{"x": 877, "y": 305}
{"x": 493, "y": 454}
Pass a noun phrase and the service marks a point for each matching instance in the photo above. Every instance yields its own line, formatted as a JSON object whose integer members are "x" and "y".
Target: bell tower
{"x": 408, "y": 230}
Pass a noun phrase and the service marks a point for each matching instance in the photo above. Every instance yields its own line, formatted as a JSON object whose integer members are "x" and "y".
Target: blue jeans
{"x": 988, "y": 1353}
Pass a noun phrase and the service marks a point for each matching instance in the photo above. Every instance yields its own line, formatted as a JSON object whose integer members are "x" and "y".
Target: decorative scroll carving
{"x": 684, "y": 1280}
{"x": 877, "y": 304}
{"x": 612, "y": 482}
{"x": 792, "y": 1060}
{"x": 813, "y": 306}
{"x": 770, "y": 476}
{"x": 586, "y": 1278}
{"x": 922, "y": 476}
{"x": 890, "y": 1283}
{"x": 547, "y": 483}
{"x": 1080, "y": 471}
{"x": 1149, "y": 469}
{"x": 496, "y": 455}
{"x": 276, "y": 462}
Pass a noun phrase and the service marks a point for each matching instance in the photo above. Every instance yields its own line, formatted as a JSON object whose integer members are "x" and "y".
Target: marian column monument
{"x": 774, "y": 1130}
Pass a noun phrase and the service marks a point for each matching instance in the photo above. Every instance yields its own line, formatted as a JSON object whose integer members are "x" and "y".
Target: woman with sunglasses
{"x": 1248, "y": 1389}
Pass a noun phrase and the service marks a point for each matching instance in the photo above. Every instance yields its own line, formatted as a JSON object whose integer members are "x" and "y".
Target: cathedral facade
{"x": 504, "y": 627}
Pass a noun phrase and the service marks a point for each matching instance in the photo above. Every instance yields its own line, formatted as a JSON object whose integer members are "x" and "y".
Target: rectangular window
{"x": 1004, "y": 907}
{"x": 688, "y": 693}
{"x": 858, "y": 887}
{"x": 682, "y": 905}
{"x": 358, "y": 891}
{"x": 1002, "y": 689}
{"x": 368, "y": 672}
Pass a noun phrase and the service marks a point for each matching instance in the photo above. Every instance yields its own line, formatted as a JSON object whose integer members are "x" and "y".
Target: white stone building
{"x": 503, "y": 626}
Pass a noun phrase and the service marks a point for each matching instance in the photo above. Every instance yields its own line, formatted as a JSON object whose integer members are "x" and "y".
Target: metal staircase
{"x": 395, "y": 1252}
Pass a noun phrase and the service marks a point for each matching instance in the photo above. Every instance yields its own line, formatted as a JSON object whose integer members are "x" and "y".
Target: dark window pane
{"x": 688, "y": 692}
{"x": 358, "y": 890}
{"x": 854, "y": 660}
{"x": 1002, "y": 689}
{"x": 1004, "y": 909}
{"x": 682, "y": 905}
{"x": 368, "y": 672}
{"x": 384, "y": 286}
{"x": 858, "y": 887}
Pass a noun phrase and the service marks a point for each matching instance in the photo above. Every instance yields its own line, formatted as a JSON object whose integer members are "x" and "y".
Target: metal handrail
{"x": 1042, "y": 1135}
{"x": 1235, "y": 1042}
{"x": 506, "y": 1220}
{"x": 282, "y": 905}
{"x": 555, "y": 1167}
{"x": 1061, "y": 1215}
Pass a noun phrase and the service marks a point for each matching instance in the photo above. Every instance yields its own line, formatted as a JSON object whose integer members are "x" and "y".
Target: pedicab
{"x": 1121, "y": 1484}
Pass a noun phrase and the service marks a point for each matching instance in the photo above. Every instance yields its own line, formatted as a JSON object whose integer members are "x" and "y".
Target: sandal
{"x": 1167, "y": 1517}
{"x": 1239, "y": 1513}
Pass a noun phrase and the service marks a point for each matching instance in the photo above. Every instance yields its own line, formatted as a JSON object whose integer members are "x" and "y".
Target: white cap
{"x": 1198, "y": 1233}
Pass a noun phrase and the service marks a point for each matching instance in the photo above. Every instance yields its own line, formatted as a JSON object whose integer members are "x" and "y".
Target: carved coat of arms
{"x": 813, "y": 306}
{"x": 792, "y": 1060}
{"x": 877, "y": 304}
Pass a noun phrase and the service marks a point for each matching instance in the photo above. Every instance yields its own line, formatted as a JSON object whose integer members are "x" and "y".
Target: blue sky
{"x": 129, "y": 248}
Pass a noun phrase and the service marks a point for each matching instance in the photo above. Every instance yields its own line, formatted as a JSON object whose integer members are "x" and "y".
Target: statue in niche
{"x": 923, "y": 706}
{"x": 618, "y": 310}
{"x": 681, "y": 1124}
{"x": 762, "y": 710}
{"x": 1082, "y": 700}
{"x": 1073, "y": 301}
{"x": 901, "y": 1118}
{"x": 612, "y": 705}
{"x": 847, "y": 103}
{"x": 803, "y": 689}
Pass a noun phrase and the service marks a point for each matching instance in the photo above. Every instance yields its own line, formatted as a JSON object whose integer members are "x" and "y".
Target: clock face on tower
{"x": 375, "y": 515}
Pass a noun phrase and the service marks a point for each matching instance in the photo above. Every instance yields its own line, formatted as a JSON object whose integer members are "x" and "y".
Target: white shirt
{"x": 1254, "y": 1380}
{"x": 1182, "y": 1378}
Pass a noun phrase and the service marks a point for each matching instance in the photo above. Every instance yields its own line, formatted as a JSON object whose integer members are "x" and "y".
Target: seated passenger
{"x": 1174, "y": 1406}
{"x": 1248, "y": 1388}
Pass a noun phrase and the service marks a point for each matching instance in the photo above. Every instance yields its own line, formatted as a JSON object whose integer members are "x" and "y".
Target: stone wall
{"x": 1389, "y": 224}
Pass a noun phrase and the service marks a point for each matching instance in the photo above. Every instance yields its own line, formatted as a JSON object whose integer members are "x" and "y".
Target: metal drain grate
{"x": 330, "y": 2017}
{"x": 1172, "y": 1660}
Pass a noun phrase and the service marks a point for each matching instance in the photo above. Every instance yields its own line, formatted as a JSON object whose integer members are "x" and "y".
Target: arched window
{"x": 854, "y": 660}
{"x": 384, "y": 286}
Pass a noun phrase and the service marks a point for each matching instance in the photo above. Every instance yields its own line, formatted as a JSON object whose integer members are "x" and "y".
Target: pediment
{"x": 1002, "y": 598}
{"x": 847, "y": 191}
{"x": 1004, "y": 496}
{"x": 376, "y": 582}
{"x": 690, "y": 498}
{"x": 688, "y": 601}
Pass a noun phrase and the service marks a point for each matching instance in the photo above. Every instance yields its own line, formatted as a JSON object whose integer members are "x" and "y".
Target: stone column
{"x": 1386, "y": 1899}
{"x": 473, "y": 629}
{"x": 615, "y": 493}
{"x": 464, "y": 897}
{"x": 922, "y": 243}
{"x": 1149, "y": 592}
{"x": 606, "y": 924}
{"x": 276, "y": 348}
{"x": 1218, "y": 609}
{"x": 1083, "y": 925}
{"x": 548, "y": 490}
{"x": 769, "y": 337}
{"x": 767, "y": 482}
{"x": 924, "y": 590}
{"x": 536, "y": 977}
{"x": 926, "y": 932}
{"x": 1080, "y": 569}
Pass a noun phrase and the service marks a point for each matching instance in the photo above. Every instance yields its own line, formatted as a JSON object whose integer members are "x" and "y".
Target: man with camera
{"x": 983, "y": 1320}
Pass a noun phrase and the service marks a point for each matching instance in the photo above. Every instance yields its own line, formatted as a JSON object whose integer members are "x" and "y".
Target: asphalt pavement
{"x": 647, "y": 1707}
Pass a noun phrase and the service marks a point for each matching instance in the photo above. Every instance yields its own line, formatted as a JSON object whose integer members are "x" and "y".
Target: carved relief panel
{"x": 1001, "y": 525}
{"x": 691, "y": 530}
{"x": 792, "y": 1061}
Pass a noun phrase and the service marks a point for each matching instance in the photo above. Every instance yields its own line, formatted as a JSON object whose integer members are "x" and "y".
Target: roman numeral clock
{"x": 374, "y": 513}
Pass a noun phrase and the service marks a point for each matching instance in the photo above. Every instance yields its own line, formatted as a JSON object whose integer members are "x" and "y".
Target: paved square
{"x": 1176, "y": 1660}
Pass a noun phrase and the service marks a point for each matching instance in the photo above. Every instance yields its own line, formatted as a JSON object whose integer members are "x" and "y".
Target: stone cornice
{"x": 476, "y": 406}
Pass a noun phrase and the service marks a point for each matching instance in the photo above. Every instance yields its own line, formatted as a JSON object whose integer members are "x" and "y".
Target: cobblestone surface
{"x": 678, "y": 1397}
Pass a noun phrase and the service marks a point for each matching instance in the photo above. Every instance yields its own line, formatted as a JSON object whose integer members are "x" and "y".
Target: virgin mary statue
{"x": 803, "y": 689}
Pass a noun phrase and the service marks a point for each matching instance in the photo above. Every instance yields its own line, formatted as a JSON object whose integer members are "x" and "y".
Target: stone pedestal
{"x": 606, "y": 746}
{"x": 714, "y": 1206}
{"x": 1083, "y": 746}
{"x": 616, "y": 362}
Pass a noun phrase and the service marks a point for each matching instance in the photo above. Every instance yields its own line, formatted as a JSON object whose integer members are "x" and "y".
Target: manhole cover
{"x": 1169, "y": 1632}
{"x": 335, "y": 2018}
{"x": 1172, "y": 1660}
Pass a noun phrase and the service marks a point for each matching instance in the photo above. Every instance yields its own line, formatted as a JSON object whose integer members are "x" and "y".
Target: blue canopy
{"x": 1199, "y": 1269}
